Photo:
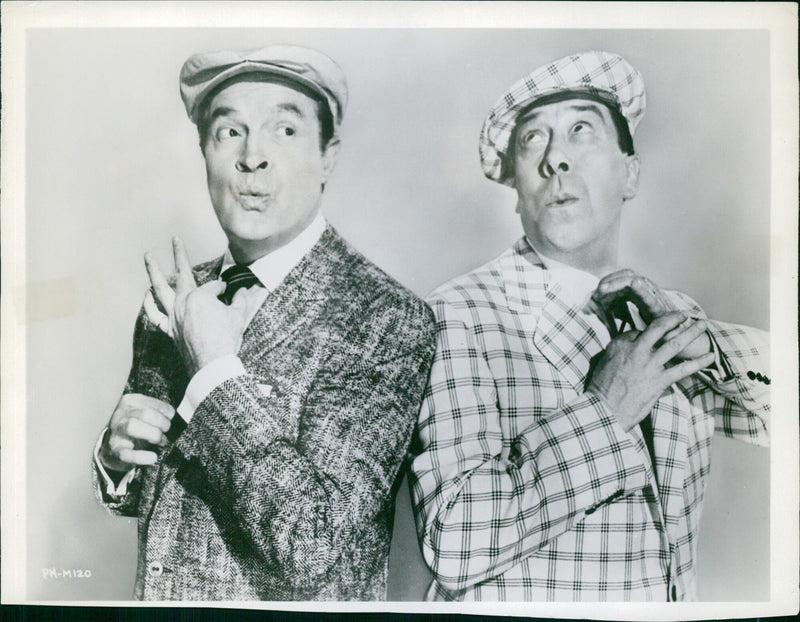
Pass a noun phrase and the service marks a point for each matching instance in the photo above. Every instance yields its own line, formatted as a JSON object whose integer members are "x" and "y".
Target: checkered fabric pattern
{"x": 600, "y": 73}
{"x": 524, "y": 486}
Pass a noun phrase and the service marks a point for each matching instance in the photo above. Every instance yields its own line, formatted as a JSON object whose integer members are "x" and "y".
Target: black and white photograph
{"x": 401, "y": 306}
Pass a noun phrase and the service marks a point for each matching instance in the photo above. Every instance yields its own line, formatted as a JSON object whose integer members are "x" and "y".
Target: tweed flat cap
{"x": 314, "y": 70}
{"x": 603, "y": 75}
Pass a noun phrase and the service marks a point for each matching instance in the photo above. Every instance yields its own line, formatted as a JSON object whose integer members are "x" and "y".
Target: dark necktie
{"x": 235, "y": 278}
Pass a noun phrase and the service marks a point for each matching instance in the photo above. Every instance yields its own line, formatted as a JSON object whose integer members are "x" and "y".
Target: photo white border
{"x": 780, "y": 19}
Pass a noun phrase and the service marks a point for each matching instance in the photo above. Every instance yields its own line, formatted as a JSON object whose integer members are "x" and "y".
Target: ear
{"x": 632, "y": 178}
{"x": 329, "y": 156}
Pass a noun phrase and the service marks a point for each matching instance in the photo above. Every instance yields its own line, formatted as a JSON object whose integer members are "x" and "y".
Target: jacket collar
{"x": 297, "y": 299}
{"x": 560, "y": 330}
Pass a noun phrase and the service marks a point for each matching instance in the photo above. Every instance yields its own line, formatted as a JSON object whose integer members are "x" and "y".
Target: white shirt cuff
{"x": 206, "y": 380}
{"x": 120, "y": 489}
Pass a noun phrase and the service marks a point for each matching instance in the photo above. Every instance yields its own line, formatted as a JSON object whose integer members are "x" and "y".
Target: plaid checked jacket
{"x": 286, "y": 495}
{"x": 524, "y": 486}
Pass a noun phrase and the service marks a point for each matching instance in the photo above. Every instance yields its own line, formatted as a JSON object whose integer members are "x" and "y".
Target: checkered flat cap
{"x": 202, "y": 73}
{"x": 603, "y": 75}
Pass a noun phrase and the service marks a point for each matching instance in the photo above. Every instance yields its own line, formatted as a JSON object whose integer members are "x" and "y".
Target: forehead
{"x": 253, "y": 96}
{"x": 565, "y": 109}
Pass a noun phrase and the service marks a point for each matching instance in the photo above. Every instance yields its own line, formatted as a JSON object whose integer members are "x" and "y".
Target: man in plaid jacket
{"x": 565, "y": 435}
{"x": 260, "y": 435}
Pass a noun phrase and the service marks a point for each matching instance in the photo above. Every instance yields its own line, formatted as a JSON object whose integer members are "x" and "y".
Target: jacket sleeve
{"x": 736, "y": 391}
{"x": 156, "y": 371}
{"x": 301, "y": 495}
{"x": 482, "y": 504}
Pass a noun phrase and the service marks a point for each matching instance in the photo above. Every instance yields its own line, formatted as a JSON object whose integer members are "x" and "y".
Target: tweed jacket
{"x": 525, "y": 487}
{"x": 281, "y": 485}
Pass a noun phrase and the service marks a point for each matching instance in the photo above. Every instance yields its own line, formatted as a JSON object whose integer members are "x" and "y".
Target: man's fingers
{"x": 248, "y": 300}
{"x": 687, "y": 368}
{"x": 155, "y": 419}
{"x": 153, "y": 313}
{"x": 137, "y": 429}
{"x": 613, "y": 283}
{"x": 140, "y": 457}
{"x": 164, "y": 293}
{"x": 158, "y": 405}
{"x": 185, "y": 278}
{"x": 138, "y": 401}
{"x": 670, "y": 348}
{"x": 117, "y": 443}
{"x": 213, "y": 287}
{"x": 660, "y": 327}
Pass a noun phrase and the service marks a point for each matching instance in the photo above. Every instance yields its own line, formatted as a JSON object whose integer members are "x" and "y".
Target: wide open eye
{"x": 581, "y": 127}
{"x": 531, "y": 138}
{"x": 227, "y": 132}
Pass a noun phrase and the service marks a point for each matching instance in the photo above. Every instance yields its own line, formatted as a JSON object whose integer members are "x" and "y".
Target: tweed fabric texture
{"x": 602, "y": 74}
{"x": 525, "y": 487}
{"x": 286, "y": 493}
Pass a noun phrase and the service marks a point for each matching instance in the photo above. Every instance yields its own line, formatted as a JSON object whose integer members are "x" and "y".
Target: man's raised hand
{"x": 633, "y": 372}
{"x": 202, "y": 327}
{"x": 651, "y": 301}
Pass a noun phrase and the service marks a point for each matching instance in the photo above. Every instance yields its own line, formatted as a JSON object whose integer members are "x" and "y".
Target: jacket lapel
{"x": 560, "y": 332}
{"x": 294, "y": 302}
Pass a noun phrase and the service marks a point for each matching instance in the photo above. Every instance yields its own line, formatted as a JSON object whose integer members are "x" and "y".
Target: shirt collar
{"x": 273, "y": 267}
{"x": 578, "y": 285}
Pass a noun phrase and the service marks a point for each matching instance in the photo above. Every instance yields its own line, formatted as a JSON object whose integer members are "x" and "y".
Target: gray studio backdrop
{"x": 113, "y": 170}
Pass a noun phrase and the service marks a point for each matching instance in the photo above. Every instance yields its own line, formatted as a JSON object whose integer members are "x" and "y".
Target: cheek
{"x": 604, "y": 180}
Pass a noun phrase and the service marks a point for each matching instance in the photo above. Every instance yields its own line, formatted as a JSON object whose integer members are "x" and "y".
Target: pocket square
{"x": 266, "y": 389}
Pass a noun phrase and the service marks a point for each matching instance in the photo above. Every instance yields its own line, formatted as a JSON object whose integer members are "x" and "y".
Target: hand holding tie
{"x": 616, "y": 289}
{"x": 203, "y": 327}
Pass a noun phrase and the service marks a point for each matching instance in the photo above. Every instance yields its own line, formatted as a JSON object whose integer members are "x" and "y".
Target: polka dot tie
{"x": 235, "y": 278}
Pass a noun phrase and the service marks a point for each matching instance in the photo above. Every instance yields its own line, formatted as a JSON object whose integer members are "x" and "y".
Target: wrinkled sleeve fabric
{"x": 736, "y": 392}
{"x": 300, "y": 495}
{"x": 484, "y": 503}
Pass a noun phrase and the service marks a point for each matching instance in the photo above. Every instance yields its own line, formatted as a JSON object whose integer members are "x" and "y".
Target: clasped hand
{"x": 638, "y": 366}
{"x": 651, "y": 301}
{"x": 202, "y": 327}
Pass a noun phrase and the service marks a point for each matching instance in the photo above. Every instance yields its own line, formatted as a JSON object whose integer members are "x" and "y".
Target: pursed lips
{"x": 560, "y": 200}
{"x": 251, "y": 198}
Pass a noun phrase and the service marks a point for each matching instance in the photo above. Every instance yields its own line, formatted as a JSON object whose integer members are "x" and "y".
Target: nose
{"x": 251, "y": 158}
{"x": 555, "y": 160}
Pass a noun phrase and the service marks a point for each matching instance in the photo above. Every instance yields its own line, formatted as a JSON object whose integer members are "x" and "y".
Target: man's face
{"x": 572, "y": 179}
{"x": 264, "y": 165}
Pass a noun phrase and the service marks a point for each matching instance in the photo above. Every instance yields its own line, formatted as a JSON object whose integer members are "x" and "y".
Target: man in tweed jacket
{"x": 260, "y": 435}
{"x": 565, "y": 434}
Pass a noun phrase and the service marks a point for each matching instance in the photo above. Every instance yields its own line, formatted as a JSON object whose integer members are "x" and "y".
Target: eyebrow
{"x": 290, "y": 107}
{"x": 220, "y": 111}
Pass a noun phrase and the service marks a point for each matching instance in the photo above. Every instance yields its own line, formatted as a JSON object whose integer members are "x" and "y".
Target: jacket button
{"x": 751, "y": 375}
{"x": 155, "y": 569}
{"x": 674, "y": 593}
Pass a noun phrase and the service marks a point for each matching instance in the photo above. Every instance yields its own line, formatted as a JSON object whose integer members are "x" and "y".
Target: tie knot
{"x": 235, "y": 278}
